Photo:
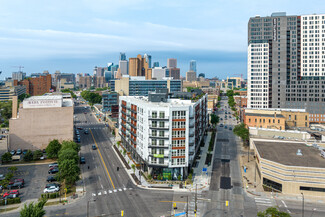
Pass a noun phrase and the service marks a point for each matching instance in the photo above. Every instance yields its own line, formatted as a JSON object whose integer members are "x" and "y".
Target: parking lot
{"x": 35, "y": 179}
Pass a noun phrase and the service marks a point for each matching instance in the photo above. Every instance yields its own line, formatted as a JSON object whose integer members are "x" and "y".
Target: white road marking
{"x": 94, "y": 195}
{"x": 115, "y": 190}
{"x": 105, "y": 192}
{"x": 285, "y": 205}
{"x": 120, "y": 189}
{"x": 100, "y": 193}
{"x": 124, "y": 189}
{"x": 110, "y": 191}
{"x": 102, "y": 186}
{"x": 130, "y": 188}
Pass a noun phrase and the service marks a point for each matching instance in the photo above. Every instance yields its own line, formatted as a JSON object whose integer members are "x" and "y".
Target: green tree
{"x": 91, "y": 97}
{"x": 273, "y": 212}
{"x": 33, "y": 210}
{"x": 5, "y": 112}
{"x": 133, "y": 167}
{"x": 214, "y": 119}
{"x": 23, "y": 96}
{"x": 28, "y": 156}
{"x": 13, "y": 169}
{"x": 70, "y": 144}
{"x": 53, "y": 149}
{"x": 68, "y": 153}
{"x": 6, "y": 157}
{"x": 37, "y": 155}
{"x": 69, "y": 170}
{"x": 241, "y": 131}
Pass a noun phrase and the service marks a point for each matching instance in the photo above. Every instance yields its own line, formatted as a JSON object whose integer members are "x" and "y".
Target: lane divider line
{"x": 101, "y": 157}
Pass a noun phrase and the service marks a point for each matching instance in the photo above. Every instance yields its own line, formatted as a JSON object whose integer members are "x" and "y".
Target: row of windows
{"x": 178, "y": 161}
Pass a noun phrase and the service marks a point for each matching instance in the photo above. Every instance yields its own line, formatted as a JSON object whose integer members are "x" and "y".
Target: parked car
{"x": 86, "y": 132}
{"x": 51, "y": 189}
{"x": 10, "y": 196}
{"x": 53, "y": 165}
{"x": 1, "y": 187}
{"x": 2, "y": 177}
{"x": 230, "y": 128}
{"x": 17, "y": 180}
{"x": 52, "y": 184}
{"x": 221, "y": 125}
{"x": 25, "y": 151}
{"x": 225, "y": 126}
{"x": 94, "y": 147}
{"x": 15, "y": 185}
{"x": 16, "y": 192}
{"x": 19, "y": 152}
{"x": 53, "y": 170}
{"x": 78, "y": 140}
{"x": 12, "y": 152}
{"x": 51, "y": 179}
{"x": 82, "y": 160}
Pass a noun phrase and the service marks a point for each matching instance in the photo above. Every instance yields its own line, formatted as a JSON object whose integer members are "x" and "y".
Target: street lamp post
{"x": 303, "y": 204}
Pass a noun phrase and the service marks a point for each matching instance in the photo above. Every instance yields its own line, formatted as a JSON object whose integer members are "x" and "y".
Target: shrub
{"x": 159, "y": 177}
{"x": 17, "y": 200}
{"x": 28, "y": 156}
{"x": 149, "y": 177}
{"x": 190, "y": 176}
{"x": 37, "y": 155}
{"x": 6, "y": 157}
{"x": 179, "y": 177}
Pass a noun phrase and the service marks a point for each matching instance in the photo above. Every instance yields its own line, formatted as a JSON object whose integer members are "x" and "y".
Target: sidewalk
{"x": 202, "y": 178}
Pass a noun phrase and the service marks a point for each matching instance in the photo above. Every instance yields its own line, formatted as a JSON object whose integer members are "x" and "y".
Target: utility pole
{"x": 303, "y": 204}
{"x": 195, "y": 200}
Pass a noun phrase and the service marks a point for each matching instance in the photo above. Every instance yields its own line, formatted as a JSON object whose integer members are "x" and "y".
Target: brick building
{"x": 36, "y": 86}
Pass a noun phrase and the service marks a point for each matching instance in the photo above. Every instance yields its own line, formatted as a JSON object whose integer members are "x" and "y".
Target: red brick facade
{"x": 36, "y": 86}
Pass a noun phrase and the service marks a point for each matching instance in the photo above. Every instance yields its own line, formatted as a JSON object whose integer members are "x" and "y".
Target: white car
{"x": 51, "y": 189}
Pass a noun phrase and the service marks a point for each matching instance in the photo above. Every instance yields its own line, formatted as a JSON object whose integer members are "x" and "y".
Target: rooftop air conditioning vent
{"x": 299, "y": 152}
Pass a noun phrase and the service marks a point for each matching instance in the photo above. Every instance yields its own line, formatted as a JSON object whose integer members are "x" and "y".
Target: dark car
{"x": 82, "y": 160}
{"x": 52, "y": 184}
{"x": 25, "y": 151}
{"x": 78, "y": 140}
{"x": 230, "y": 128}
{"x": 225, "y": 126}
{"x": 221, "y": 125}
{"x": 17, "y": 180}
{"x": 51, "y": 179}
{"x": 86, "y": 132}
{"x": 79, "y": 128}
{"x": 94, "y": 147}
{"x": 15, "y": 185}
{"x": 53, "y": 170}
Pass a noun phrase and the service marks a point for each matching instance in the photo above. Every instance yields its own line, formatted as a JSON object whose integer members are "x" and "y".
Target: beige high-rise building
{"x": 171, "y": 63}
{"x": 138, "y": 66}
{"x": 190, "y": 76}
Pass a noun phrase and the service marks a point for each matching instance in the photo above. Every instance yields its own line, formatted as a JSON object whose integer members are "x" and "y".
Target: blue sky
{"x": 74, "y": 36}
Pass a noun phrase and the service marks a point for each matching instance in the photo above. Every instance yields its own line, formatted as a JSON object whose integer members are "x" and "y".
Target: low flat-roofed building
{"x": 7, "y": 93}
{"x": 289, "y": 167}
{"x": 41, "y": 119}
{"x": 271, "y": 121}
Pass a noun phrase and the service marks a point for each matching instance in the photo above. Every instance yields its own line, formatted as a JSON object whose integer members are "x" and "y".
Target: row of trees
{"x": 241, "y": 131}
{"x": 68, "y": 160}
{"x": 91, "y": 97}
{"x": 29, "y": 156}
{"x": 214, "y": 119}
{"x": 5, "y": 112}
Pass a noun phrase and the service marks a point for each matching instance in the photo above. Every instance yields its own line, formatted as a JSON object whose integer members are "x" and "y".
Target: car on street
{"x": 51, "y": 189}
{"x": 86, "y": 132}
{"x": 230, "y": 128}
{"x": 53, "y": 165}
{"x": 12, "y": 152}
{"x": 77, "y": 132}
{"x": 94, "y": 147}
{"x": 19, "y": 152}
{"x": 79, "y": 128}
{"x": 78, "y": 140}
{"x": 82, "y": 160}
{"x": 85, "y": 112}
{"x": 221, "y": 125}
{"x": 51, "y": 179}
{"x": 15, "y": 185}
{"x": 225, "y": 126}
{"x": 53, "y": 170}
{"x": 221, "y": 119}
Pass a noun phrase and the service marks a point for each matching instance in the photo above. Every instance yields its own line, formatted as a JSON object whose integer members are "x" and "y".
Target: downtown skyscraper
{"x": 286, "y": 62}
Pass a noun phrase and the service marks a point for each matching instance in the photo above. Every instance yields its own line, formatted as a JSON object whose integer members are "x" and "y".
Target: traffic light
{"x": 227, "y": 203}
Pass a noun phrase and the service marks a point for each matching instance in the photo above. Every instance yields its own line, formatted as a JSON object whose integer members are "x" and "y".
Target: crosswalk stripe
{"x": 124, "y": 189}
{"x": 94, "y": 195}
{"x": 105, "y": 192}
{"x": 110, "y": 191}
{"x": 115, "y": 190}
{"x": 100, "y": 193}
{"x": 120, "y": 189}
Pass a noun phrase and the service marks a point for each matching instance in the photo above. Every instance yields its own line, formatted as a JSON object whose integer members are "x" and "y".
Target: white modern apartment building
{"x": 286, "y": 62}
{"x": 258, "y": 75}
{"x": 163, "y": 134}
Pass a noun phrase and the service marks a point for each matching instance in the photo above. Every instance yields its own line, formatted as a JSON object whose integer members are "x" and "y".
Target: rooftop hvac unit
{"x": 299, "y": 152}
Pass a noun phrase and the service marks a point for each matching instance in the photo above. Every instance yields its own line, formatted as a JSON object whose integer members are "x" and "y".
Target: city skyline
{"x": 75, "y": 37}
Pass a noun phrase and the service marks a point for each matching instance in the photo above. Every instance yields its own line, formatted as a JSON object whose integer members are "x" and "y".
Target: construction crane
{"x": 20, "y": 67}
{"x": 241, "y": 76}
